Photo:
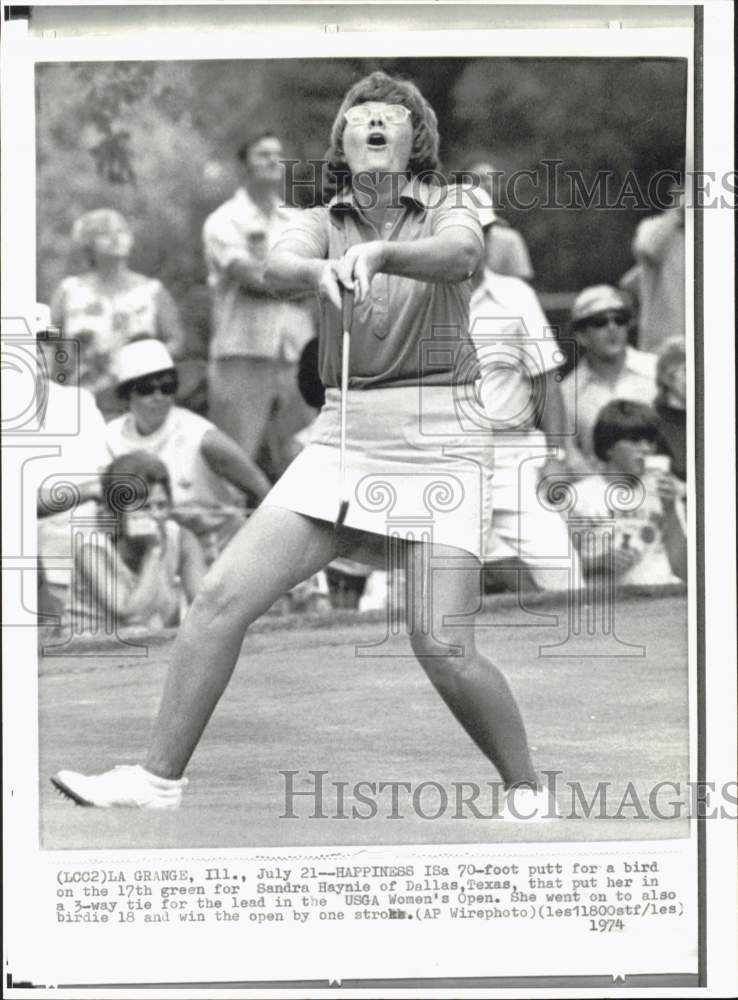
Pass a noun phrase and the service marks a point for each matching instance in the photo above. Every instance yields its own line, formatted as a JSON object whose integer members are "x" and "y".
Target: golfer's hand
{"x": 328, "y": 285}
{"x": 358, "y": 266}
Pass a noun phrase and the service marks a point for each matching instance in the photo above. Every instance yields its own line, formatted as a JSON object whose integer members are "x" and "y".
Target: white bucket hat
{"x": 141, "y": 358}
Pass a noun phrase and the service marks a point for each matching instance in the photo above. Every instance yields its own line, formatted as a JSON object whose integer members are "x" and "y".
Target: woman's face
{"x": 151, "y": 400}
{"x": 141, "y": 526}
{"x": 157, "y": 504}
{"x": 378, "y": 145}
{"x": 115, "y": 242}
{"x": 630, "y": 456}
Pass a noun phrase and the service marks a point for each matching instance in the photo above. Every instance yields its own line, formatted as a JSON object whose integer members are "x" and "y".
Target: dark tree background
{"x": 157, "y": 140}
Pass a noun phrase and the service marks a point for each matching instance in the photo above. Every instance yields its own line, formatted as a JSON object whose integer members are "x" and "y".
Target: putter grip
{"x": 347, "y": 309}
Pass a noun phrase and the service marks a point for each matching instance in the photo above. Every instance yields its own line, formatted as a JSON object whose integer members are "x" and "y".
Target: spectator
{"x": 650, "y": 543}
{"x": 109, "y": 305}
{"x": 658, "y": 248}
{"x": 507, "y": 252}
{"x": 210, "y": 474}
{"x": 608, "y": 369}
{"x": 256, "y": 339}
{"x": 671, "y": 404}
{"x": 518, "y": 354}
{"x": 70, "y": 421}
{"x": 146, "y": 572}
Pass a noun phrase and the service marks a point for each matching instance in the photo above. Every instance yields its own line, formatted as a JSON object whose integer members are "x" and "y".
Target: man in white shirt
{"x": 256, "y": 339}
{"x": 608, "y": 369}
{"x": 518, "y": 355}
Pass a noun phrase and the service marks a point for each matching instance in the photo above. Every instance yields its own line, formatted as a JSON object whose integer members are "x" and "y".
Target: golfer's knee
{"x": 216, "y": 599}
{"x": 447, "y": 652}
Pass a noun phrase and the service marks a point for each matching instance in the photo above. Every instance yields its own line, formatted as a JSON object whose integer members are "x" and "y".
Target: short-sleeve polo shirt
{"x": 406, "y": 331}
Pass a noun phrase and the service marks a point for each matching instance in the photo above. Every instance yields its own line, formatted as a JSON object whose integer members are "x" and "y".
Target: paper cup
{"x": 658, "y": 463}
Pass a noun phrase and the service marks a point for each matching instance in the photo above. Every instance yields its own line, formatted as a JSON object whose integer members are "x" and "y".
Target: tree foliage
{"x": 157, "y": 141}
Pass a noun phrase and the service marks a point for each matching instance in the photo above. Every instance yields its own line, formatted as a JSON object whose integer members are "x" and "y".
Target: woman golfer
{"x": 405, "y": 251}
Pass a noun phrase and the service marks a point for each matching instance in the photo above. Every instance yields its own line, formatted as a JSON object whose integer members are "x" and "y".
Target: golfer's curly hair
{"x": 385, "y": 89}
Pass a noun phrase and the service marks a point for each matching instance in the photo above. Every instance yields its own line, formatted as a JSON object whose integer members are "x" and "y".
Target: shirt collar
{"x": 415, "y": 194}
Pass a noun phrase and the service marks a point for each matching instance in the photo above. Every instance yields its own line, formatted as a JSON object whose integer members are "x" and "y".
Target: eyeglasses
{"x": 360, "y": 114}
{"x": 147, "y": 387}
{"x": 600, "y": 322}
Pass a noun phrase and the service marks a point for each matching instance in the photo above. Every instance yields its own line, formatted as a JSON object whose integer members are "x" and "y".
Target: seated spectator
{"x": 650, "y": 542}
{"x": 146, "y": 570}
{"x": 109, "y": 305}
{"x": 210, "y": 474}
{"x": 608, "y": 369}
{"x": 671, "y": 404}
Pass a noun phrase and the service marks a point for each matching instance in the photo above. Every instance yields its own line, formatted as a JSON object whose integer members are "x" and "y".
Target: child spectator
{"x": 210, "y": 474}
{"x": 650, "y": 544}
{"x": 138, "y": 567}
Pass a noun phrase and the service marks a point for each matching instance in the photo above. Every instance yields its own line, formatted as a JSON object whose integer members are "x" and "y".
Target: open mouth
{"x": 376, "y": 140}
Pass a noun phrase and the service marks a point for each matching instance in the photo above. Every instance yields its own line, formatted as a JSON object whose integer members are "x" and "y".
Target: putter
{"x": 347, "y": 312}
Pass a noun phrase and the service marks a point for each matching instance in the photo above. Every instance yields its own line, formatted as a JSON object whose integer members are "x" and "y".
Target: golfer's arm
{"x": 451, "y": 256}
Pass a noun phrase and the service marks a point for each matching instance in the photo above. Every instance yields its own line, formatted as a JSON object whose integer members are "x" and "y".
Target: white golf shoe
{"x": 125, "y": 785}
{"x": 530, "y": 805}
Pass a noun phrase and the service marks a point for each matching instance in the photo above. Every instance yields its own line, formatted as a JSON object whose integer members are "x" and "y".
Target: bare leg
{"x": 274, "y": 551}
{"x": 470, "y": 684}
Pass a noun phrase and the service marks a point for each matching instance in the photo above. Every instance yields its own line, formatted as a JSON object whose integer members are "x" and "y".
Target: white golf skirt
{"x": 415, "y": 467}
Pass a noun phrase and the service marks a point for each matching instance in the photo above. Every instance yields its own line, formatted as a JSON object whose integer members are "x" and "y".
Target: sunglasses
{"x": 147, "y": 387}
{"x": 600, "y": 322}
{"x": 360, "y": 114}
